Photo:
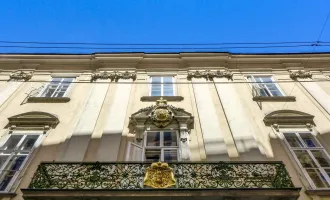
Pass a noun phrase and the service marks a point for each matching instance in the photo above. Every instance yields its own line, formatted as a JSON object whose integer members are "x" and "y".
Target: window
{"x": 161, "y": 146}
{"x": 162, "y": 86}
{"x": 311, "y": 157}
{"x": 14, "y": 152}
{"x": 265, "y": 86}
{"x": 58, "y": 87}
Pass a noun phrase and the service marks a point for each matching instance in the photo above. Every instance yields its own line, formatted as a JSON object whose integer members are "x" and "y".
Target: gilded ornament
{"x": 159, "y": 175}
{"x": 161, "y": 116}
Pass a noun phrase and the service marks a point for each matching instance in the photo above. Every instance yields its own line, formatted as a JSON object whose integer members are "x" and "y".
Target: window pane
{"x": 317, "y": 178}
{"x": 321, "y": 158}
{"x": 12, "y": 142}
{"x": 3, "y": 159}
{"x": 263, "y": 92}
{"x": 153, "y": 139}
{"x": 309, "y": 140}
{"x": 170, "y": 139}
{"x": 167, "y": 79}
{"x": 152, "y": 155}
{"x": 68, "y": 80}
{"x": 293, "y": 140}
{"x": 29, "y": 142}
{"x": 266, "y": 79}
{"x": 10, "y": 170}
{"x": 305, "y": 159}
{"x": 156, "y": 79}
{"x": 49, "y": 91}
{"x": 56, "y": 81}
{"x": 170, "y": 155}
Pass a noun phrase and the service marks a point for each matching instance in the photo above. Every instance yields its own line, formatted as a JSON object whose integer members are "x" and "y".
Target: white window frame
{"x": 161, "y": 147}
{"x": 308, "y": 150}
{"x": 57, "y": 88}
{"x": 257, "y": 84}
{"x": 16, "y": 152}
{"x": 162, "y": 85}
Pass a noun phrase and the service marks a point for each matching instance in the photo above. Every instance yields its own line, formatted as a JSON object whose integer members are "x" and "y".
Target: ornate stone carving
{"x": 20, "y": 75}
{"x": 210, "y": 75}
{"x": 113, "y": 76}
{"x": 159, "y": 175}
{"x": 161, "y": 116}
{"x": 300, "y": 74}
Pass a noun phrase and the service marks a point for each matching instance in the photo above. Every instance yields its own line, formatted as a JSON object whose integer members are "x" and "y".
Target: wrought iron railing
{"x": 187, "y": 175}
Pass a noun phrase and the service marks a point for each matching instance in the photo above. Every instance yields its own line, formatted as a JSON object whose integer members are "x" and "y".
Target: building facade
{"x": 214, "y": 125}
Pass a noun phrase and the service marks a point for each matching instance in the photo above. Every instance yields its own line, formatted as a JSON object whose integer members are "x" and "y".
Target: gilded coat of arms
{"x": 161, "y": 115}
{"x": 159, "y": 175}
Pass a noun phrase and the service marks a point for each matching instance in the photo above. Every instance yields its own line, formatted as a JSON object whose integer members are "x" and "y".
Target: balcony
{"x": 233, "y": 180}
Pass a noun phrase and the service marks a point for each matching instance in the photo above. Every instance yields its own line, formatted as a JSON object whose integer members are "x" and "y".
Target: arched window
{"x": 295, "y": 129}
{"x": 24, "y": 134}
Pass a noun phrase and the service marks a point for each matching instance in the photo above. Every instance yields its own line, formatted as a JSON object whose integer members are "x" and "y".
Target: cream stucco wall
{"x": 228, "y": 124}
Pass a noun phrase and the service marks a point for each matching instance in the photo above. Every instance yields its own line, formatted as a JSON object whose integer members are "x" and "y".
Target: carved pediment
{"x": 160, "y": 115}
{"x": 210, "y": 75}
{"x": 288, "y": 117}
{"x": 34, "y": 119}
{"x": 300, "y": 74}
{"x": 113, "y": 76}
{"x": 20, "y": 75}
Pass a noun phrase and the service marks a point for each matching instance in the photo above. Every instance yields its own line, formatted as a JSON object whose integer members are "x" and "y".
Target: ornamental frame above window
{"x": 265, "y": 85}
{"x": 162, "y": 86}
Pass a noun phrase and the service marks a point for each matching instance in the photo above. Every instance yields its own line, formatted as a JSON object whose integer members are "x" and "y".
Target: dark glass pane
{"x": 293, "y": 140}
{"x": 12, "y": 142}
{"x": 153, "y": 139}
{"x": 170, "y": 139}
{"x": 152, "y": 155}
{"x": 170, "y": 155}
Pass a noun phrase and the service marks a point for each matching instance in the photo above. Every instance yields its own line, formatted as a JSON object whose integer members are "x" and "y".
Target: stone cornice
{"x": 210, "y": 75}
{"x": 113, "y": 76}
{"x": 174, "y": 61}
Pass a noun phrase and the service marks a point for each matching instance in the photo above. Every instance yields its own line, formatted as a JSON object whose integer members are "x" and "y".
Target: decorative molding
{"x": 210, "y": 75}
{"x": 48, "y": 99}
{"x": 286, "y": 117}
{"x": 300, "y": 74}
{"x": 113, "y": 76}
{"x": 167, "y": 98}
{"x": 20, "y": 75}
{"x": 275, "y": 98}
{"x": 160, "y": 115}
{"x": 36, "y": 118}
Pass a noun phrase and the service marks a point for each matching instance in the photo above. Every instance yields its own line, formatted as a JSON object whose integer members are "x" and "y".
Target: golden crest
{"x": 161, "y": 115}
{"x": 159, "y": 175}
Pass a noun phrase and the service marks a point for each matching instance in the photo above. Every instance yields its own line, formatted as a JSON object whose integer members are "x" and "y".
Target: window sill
{"x": 48, "y": 99}
{"x": 155, "y": 98}
{"x": 275, "y": 99}
{"x": 318, "y": 192}
{"x": 7, "y": 194}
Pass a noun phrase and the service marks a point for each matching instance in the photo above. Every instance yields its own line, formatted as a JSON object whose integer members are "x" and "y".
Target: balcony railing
{"x": 56, "y": 176}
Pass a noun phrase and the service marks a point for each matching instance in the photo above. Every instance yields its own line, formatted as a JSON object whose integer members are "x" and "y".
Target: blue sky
{"x": 163, "y": 21}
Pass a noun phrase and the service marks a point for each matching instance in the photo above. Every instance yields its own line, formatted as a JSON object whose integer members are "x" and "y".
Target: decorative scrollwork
{"x": 187, "y": 175}
{"x": 113, "y": 76}
{"x": 20, "y": 75}
{"x": 300, "y": 74}
{"x": 210, "y": 75}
